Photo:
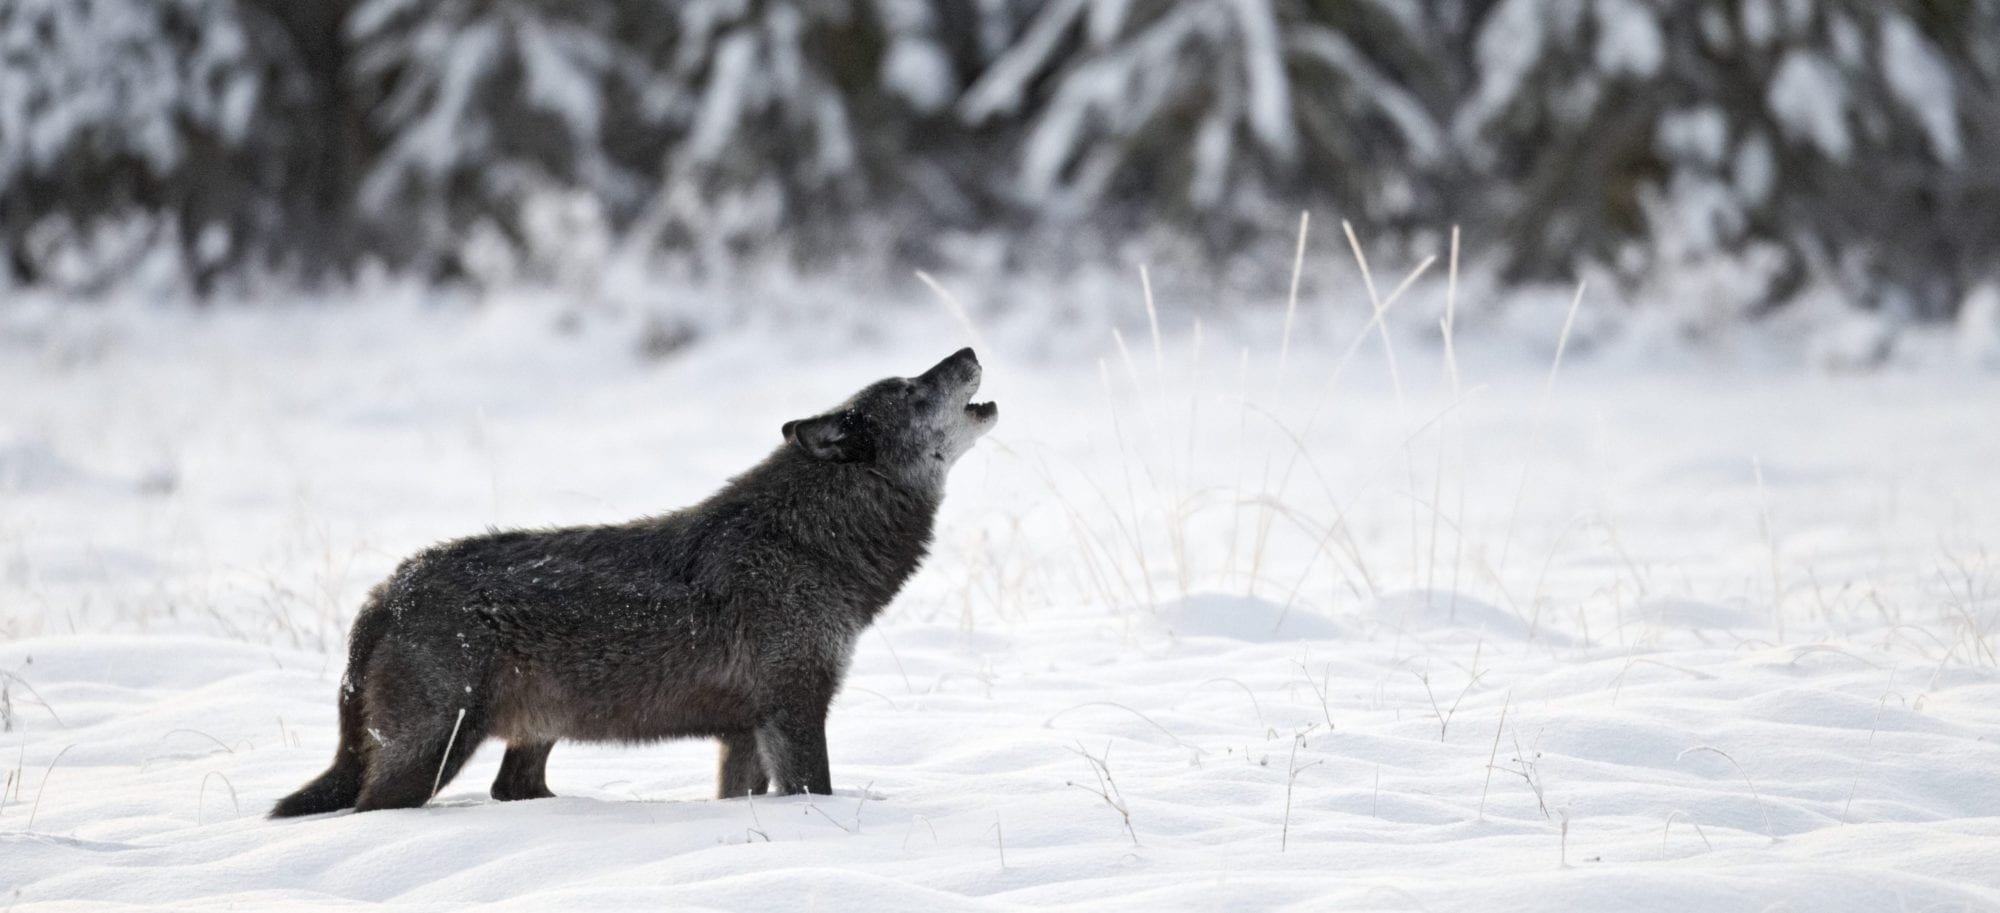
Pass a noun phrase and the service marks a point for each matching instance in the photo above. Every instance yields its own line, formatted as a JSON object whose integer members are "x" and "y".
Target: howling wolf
{"x": 732, "y": 619}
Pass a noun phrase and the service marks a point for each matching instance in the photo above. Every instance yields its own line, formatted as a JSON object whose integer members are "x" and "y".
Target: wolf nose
{"x": 967, "y": 354}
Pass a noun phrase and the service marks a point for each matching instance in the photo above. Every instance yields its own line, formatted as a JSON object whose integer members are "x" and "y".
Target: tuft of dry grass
{"x": 1106, "y": 788}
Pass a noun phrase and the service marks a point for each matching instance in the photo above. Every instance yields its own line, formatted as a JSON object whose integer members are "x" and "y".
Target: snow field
{"x": 1197, "y": 634}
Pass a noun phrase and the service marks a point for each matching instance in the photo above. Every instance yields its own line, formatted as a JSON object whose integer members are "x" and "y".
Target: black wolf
{"x": 732, "y": 619}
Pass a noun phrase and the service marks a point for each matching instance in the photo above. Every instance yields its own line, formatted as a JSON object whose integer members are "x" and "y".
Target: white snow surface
{"x": 1370, "y": 634}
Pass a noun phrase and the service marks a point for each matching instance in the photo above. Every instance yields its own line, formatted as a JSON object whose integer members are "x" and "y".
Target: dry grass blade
{"x": 955, "y": 308}
{"x": 1292, "y": 771}
{"x": 1769, "y": 831}
{"x": 437, "y": 782}
{"x": 1494, "y": 755}
{"x": 201, "y": 795}
{"x": 1050, "y": 722}
{"x": 39, "y": 700}
{"x": 1292, "y": 297}
{"x": 40, "y": 790}
{"x": 1107, "y": 788}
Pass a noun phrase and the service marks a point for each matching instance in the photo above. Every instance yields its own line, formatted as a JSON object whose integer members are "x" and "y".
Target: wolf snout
{"x": 960, "y": 368}
{"x": 963, "y": 361}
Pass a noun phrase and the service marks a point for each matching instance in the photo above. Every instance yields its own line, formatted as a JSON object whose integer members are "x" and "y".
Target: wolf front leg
{"x": 741, "y": 771}
{"x": 793, "y": 744}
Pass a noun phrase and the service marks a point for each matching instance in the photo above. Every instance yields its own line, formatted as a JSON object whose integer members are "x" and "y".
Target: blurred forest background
{"x": 1788, "y": 144}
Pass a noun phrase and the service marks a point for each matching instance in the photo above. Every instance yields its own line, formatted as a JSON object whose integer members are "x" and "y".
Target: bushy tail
{"x": 329, "y": 792}
{"x": 340, "y": 785}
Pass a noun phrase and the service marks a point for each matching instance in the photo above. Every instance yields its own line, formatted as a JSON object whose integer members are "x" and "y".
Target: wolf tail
{"x": 340, "y": 785}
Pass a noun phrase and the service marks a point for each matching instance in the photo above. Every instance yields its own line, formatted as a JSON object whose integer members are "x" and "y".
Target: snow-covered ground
{"x": 1201, "y": 631}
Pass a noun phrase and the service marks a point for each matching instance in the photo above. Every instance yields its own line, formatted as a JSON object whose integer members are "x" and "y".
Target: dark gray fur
{"x": 732, "y": 619}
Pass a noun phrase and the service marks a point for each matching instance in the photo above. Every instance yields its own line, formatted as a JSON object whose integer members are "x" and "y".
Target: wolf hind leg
{"x": 340, "y": 785}
{"x": 794, "y": 750}
{"x": 524, "y": 772}
{"x": 741, "y": 769}
{"x": 406, "y": 772}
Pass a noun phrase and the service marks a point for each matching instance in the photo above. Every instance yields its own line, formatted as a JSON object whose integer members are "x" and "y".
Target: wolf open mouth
{"x": 979, "y": 412}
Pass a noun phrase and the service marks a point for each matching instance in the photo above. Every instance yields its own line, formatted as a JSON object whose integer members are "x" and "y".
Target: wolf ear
{"x": 829, "y": 437}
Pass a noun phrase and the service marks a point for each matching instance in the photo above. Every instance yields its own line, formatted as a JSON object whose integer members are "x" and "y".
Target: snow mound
{"x": 1244, "y": 618}
{"x": 1445, "y": 610}
{"x": 1691, "y": 613}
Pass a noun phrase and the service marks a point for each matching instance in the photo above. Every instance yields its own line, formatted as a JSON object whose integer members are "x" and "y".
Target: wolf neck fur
{"x": 856, "y": 515}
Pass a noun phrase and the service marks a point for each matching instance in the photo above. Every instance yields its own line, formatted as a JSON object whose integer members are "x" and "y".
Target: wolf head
{"x": 912, "y": 426}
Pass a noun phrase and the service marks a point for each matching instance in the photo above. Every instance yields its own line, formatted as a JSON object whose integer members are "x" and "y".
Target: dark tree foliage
{"x": 1832, "y": 141}
{"x": 213, "y": 129}
{"x": 1839, "y": 138}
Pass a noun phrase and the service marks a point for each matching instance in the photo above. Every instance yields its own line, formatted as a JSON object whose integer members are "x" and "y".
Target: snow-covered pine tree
{"x": 483, "y": 110}
{"x": 1786, "y": 141}
{"x": 182, "y": 133}
{"x": 1225, "y": 115}
{"x": 1795, "y": 138}
{"x": 712, "y": 128}
{"x": 805, "y": 125}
